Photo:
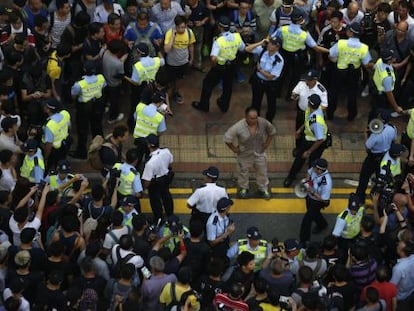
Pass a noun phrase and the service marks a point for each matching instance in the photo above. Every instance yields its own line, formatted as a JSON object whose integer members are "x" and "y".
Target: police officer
{"x": 89, "y": 107}
{"x": 143, "y": 72}
{"x": 349, "y": 55}
{"x": 409, "y": 135}
{"x": 219, "y": 228}
{"x": 56, "y": 140}
{"x": 223, "y": 57}
{"x": 253, "y": 244}
{"x": 268, "y": 70}
{"x": 390, "y": 165}
{"x": 295, "y": 40}
{"x": 377, "y": 144}
{"x": 312, "y": 134}
{"x": 204, "y": 200}
{"x": 62, "y": 177}
{"x": 157, "y": 177}
{"x": 33, "y": 167}
{"x": 129, "y": 178}
{"x": 173, "y": 227}
{"x": 148, "y": 120}
{"x": 319, "y": 185}
{"x": 384, "y": 80}
{"x": 305, "y": 88}
{"x": 129, "y": 205}
{"x": 348, "y": 222}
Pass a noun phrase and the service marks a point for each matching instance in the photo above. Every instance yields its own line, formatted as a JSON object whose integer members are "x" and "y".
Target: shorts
{"x": 176, "y": 72}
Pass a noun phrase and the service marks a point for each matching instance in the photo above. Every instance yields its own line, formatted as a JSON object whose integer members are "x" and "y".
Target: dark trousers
{"x": 55, "y": 156}
{"x": 379, "y": 103}
{"x": 300, "y": 120}
{"x": 370, "y": 165}
{"x": 159, "y": 196}
{"x": 302, "y": 146}
{"x": 142, "y": 150}
{"x": 35, "y": 114}
{"x": 313, "y": 213}
{"x": 407, "y": 304}
{"x": 114, "y": 94}
{"x": 216, "y": 74}
{"x": 90, "y": 113}
{"x": 196, "y": 215}
{"x": 261, "y": 87}
{"x": 348, "y": 78}
{"x": 294, "y": 67}
{"x": 134, "y": 100}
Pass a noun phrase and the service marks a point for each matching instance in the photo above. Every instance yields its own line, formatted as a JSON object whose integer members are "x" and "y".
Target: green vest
{"x": 318, "y": 118}
{"x": 91, "y": 91}
{"x": 352, "y": 223}
{"x": 28, "y": 165}
{"x": 125, "y": 181}
{"x": 410, "y": 125}
{"x": 380, "y": 74}
{"x": 348, "y": 55}
{"x": 148, "y": 73}
{"x": 228, "y": 49}
{"x": 60, "y": 130}
{"x": 145, "y": 125}
{"x": 259, "y": 253}
{"x": 292, "y": 42}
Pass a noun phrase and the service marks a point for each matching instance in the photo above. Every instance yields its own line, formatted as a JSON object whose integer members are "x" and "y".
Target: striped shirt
{"x": 222, "y": 300}
{"x": 58, "y": 27}
{"x": 165, "y": 18}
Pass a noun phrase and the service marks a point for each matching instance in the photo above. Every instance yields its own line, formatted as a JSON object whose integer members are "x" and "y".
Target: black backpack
{"x": 116, "y": 271}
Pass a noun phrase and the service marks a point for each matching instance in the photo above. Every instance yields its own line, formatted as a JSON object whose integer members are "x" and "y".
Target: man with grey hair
{"x": 151, "y": 288}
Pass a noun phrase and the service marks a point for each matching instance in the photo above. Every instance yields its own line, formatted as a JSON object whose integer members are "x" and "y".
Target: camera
{"x": 114, "y": 173}
{"x": 383, "y": 186}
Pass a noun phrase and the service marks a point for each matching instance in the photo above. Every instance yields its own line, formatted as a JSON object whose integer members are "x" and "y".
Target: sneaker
{"x": 265, "y": 194}
{"x": 365, "y": 91}
{"x": 178, "y": 98}
{"x": 240, "y": 77}
{"x": 242, "y": 194}
{"x": 118, "y": 118}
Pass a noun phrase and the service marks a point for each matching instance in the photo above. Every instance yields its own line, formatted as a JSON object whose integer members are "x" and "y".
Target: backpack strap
{"x": 318, "y": 266}
{"x": 52, "y": 20}
{"x": 113, "y": 236}
{"x": 173, "y": 294}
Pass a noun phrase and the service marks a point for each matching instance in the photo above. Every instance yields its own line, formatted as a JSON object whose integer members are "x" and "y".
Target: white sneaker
{"x": 118, "y": 118}
{"x": 365, "y": 91}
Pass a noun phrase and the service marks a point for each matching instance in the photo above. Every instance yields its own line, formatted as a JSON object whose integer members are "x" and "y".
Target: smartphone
{"x": 145, "y": 272}
{"x": 284, "y": 299}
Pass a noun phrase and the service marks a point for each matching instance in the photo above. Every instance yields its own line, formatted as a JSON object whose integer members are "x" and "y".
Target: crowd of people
{"x": 69, "y": 244}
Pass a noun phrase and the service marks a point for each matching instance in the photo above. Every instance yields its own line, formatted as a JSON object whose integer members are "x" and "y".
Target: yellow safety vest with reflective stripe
{"x": 380, "y": 74}
{"x": 145, "y": 125}
{"x": 228, "y": 49}
{"x": 173, "y": 241}
{"x": 352, "y": 223}
{"x": 318, "y": 118}
{"x": 259, "y": 253}
{"x": 93, "y": 90}
{"x": 147, "y": 73}
{"x": 349, "y": 55}
{"x": 125, "y": 181}
{"x": 127, "y": 222}
{"x": 395, "y": 166}
{"x": 29, "y": 163}
{"x": 293, "y": 42}
{"x": 410, "y": 125}
{"x": 53, "y": 182}
{"x": 60, "y": 130}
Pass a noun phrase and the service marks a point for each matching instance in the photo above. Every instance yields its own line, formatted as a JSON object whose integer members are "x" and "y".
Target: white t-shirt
{"x": 24, "y": 304}
{"x": 7, "y": 180}
{"x": 109, "y": 241}
{"x": 137, "y": 260}
{"x": 14, "y": 228}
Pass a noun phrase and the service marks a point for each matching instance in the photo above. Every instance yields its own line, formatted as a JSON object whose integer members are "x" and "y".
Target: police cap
{"x": 387, "y": 54}
{"x": 143, "y": 49}
{"x": 396, "y": 150}
{"x": 314, "y": 100}
{"x": 355, "y": 28}
{"x": 224, "y": 22}
{"x": 223, "y": 204}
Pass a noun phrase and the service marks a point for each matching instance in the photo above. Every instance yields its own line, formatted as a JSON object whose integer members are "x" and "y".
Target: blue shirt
{"x": 125, "y": 168}
{"x": 57, "y": 117}
{"x": 77, "y": 90}
{"x": 317, "y": 129}
{"x": 322, "y": 184}
{"x": 146, "y": 61}
{"x": 352, "y": 43}
{"x": 213, "y": 231}
{"x": 267, "y": 61}
{"x": 131, "y": 35}
{"x": 296, "y": 29}
{"x": 150, "y": 111}
{"x": 381, "y": 142}
{"x": 403, "y": 277}
{"x": 388, "y": 81}
{"x": 215, "y": 50}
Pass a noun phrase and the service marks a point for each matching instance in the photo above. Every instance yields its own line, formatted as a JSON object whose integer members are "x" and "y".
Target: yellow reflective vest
{"x": 395, "y": 164}
{"x": 145, "y": 125}
{"x": 228, "y": 49}
{"x": 292, "y": 42}
{"x": 410, "y": 125}
{"x": 91, "y": 91}
{"x": 352, "y": 223}
{"x": 29, "y": 164}
{"x": 60, "y": 130}
{"x": 54, "y": 184}
{"x": 147, "y": 73}
{"x": 259, "y": 253}
{"x": 309, "y": 120}
{"x": 350, "y": 55}
{"x": 380, "y": 74}
{"x": 125, "y": 180}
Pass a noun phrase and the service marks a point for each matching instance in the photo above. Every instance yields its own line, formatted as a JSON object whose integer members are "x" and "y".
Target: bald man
{"x": 352, "y": 13}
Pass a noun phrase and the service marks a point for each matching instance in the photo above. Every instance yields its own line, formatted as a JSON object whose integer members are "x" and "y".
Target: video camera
{"x": 385, "y": 188}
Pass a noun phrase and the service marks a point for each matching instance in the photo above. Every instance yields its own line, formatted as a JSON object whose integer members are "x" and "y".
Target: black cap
{"x": 8, "y": 122}
{"x": 51, "y": 103}
{"x": 211, "y": 172}
{"x": 291, "y": 244}
{"x": 355, "y": 28}
{"x": 321, "y": 164}
{"x": 89, "y": 67}
{"x": 223, "y": 204}
{"x": 29, "y": 145}
{"x": 158, "y": 97}
{"x": 153, "y": 140}
{"x": 387, "y": 54}
{"x": 129, "y": 200}
{"x": 253, "y": 233}
{"x": 224, "y": 22}
{"x": 353, "y": 202}
{"x": 174, "y": 223}
{"x": 63, "y": 167}
{"x": 397, "y": 149}
{"x": 142, "y": 49}
{"x": 312, "y": 74}
{"x": 385, "y": 116}
{"x": 20, "y": 3}
{"x": 275, "y": 40}
{"x": 296, "y": 16}
{"x": 287, "y": 3}
{"x": 314, "y": 100}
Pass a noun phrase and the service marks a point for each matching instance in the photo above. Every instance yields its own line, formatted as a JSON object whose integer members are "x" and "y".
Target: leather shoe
{"x": 196, "y": 105}
{"x": 288, "y": 182}
{"x": 224, "y": 110}
{"x": 317, "y": 230}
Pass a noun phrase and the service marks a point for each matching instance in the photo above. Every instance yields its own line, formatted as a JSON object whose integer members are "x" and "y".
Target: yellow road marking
{"x": 274, "y": 190}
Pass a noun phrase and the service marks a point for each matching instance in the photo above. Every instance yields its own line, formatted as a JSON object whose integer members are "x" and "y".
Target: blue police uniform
{"x": 376, "y": 145}
{"x": 261, "y": 85}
